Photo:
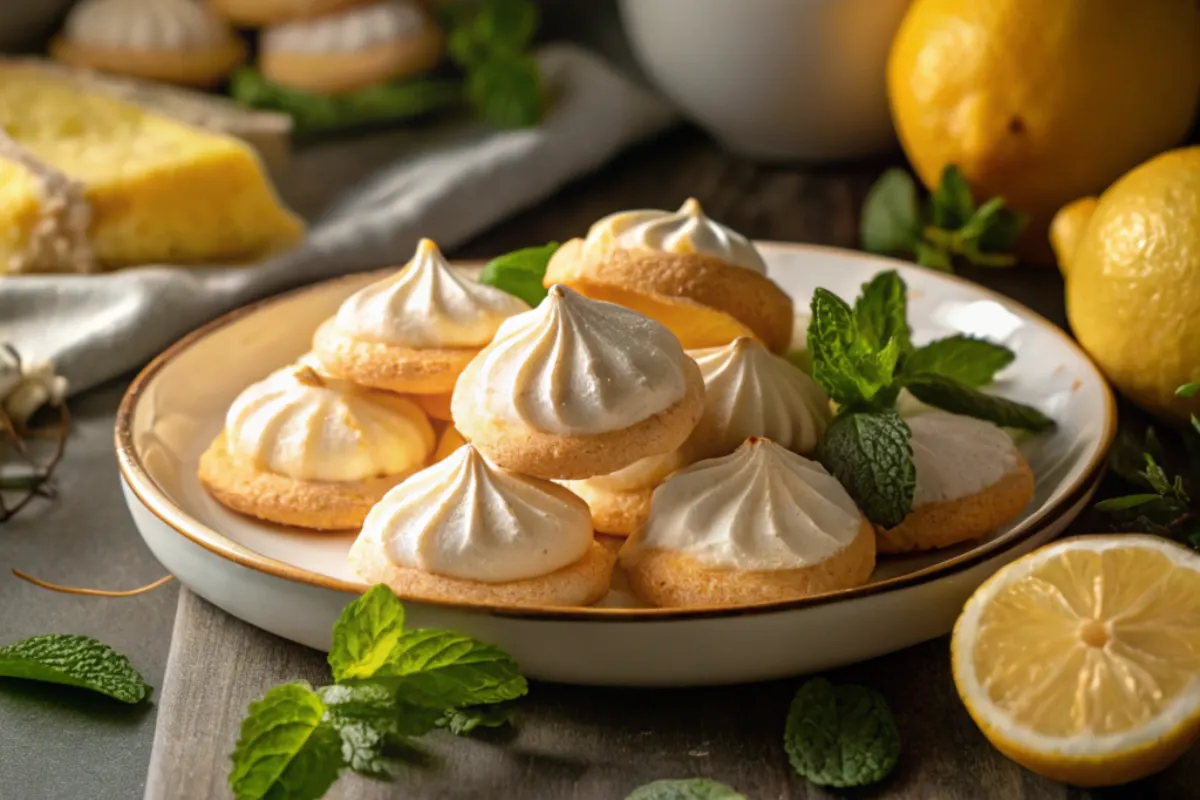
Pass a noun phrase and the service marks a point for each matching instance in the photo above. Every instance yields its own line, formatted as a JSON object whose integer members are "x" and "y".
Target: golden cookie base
{"x": 317, "y": 505}
{"x": 675, "y": 580}
{"x": 579, "y": 584}
{"x": 952, "y": 522}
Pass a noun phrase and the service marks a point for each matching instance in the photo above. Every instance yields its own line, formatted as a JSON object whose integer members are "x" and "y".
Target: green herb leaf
{"x": 365, "y": 635}
{"x": 890, "y": 219}
{"x": 442, "y": 669}
{"x": 686, "y": 789}
{"x": 1115, "y": 504}
{"x": 1188, "y": 390}
{"x": 74, "y": 661}
{"x": 970, "y": 250}
{"x": 841, "y": 736}
{"x": 982, "y": 219}
{"x": 1003, "y": 231}
{"x": 506, "y": 91}
{"x": 314, "y": 114}
{"x": 950, "y": 395}
{"x": 933, "y": 257}
{"x": 870, "y": 454}
{"x": 881, "y": 311}
{"x": 520, "y": 272}
{"x": 494, "y": 28}
{"x": 461, "y": 721}
{"x": 368, "y": 718}
{"x": 951, "y": 204}
{"x": 845, "y": 364}
{"x": 968, "y": 360}
{"x": 285, "y": 750}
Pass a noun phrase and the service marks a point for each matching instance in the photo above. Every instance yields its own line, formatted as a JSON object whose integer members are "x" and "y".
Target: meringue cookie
{"x": 971, "y": 479}
{"x": 577, "y": 388}
{"x": 705, "y": 282}
{"x": 463, "y": 525}
{"x": 352, "y": 48}
{"x": 761, "y": 524}
{"x": 414, "y": 331}
{"x": 178, "y": 41}
{"x": 748, "y": 391}
{"x": 688, "y": 230}
{"x": 313, "y": 452}
{"x": 262, "y": 13}
{"x": 574, "y": 366}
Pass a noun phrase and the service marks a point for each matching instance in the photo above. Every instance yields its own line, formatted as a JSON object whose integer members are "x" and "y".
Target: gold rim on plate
{"x": 151, "y": 496}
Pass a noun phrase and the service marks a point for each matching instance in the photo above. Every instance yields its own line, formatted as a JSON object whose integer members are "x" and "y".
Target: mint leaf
{"x": 968, "y": 360}
{"x": 840, "y": 736}
{"x": 506, "y": 91}
{"x": 957, "y": 398}
{"x": 881, "y": 311}
{"x": 686, "y": 789}
{"x": 442, "y": 669}
{"x": 933, "y": 257}
{"x": 1188, "y": 390}
{"x": 1115, "y": 504}
{"x": 951, "y": 204}
{"x": 285, "y": 750}
{"x": 520, "y": 272}
{"x": 74, "y": 661}
{"x": 493, "y": 28}
{"x": 845, "y": 364}
{"x": 366, "y": 634}
{"x": 1002, "y": 232}
{"x": 461, "y": 721}
{"x": 870, "y": 454}
{"x": 890, "y": 219}
{"x": 982, "y": 219}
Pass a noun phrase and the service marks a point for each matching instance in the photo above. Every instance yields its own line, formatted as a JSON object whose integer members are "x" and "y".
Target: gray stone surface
{"x": 59, "y": 743}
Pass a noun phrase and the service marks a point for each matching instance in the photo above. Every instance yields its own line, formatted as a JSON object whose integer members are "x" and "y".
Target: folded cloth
{"x": 447, "y": 183}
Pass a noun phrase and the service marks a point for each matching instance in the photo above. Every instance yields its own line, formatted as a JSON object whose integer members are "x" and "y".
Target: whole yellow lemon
{"x": 1042, "y": 101}
{"x": 1132, "y": 266}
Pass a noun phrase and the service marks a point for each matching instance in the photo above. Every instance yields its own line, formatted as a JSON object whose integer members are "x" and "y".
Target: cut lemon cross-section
{"x": 1081, "y": 661}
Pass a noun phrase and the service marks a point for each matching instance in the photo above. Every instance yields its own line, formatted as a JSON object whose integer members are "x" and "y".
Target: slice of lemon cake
{"x": 89, "y": 182}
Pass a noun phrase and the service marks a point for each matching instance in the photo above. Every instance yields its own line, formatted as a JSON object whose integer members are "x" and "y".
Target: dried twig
{"x": 54, "y": 587}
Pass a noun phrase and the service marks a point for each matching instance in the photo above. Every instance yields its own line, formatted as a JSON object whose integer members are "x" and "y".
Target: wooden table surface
{"x": 599, "y": 744}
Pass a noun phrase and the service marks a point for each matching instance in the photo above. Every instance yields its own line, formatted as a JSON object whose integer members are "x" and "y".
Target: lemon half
{"x": 1081, "y": 661}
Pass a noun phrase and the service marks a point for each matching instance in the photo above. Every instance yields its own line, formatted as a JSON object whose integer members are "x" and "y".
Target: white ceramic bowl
{"x": 295, "y": 583}
{"x": 774, "y": 79}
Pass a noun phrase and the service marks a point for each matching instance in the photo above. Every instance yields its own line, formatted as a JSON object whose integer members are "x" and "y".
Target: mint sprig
{"x": 686, "y": 789}
{"x": 72, "y": 660}
{"x": 461, "y": 721}
{"x": 391, "y": 685}
{"x": 841, "y": 736}
{"x": 520, "y": 272}
{"x": 1163, "y": 504}
{"x": 489, "y": 41}
{"x": 863, "y": 355}
{"x": 870, "y": 455}
{"x": 951, "y": 227}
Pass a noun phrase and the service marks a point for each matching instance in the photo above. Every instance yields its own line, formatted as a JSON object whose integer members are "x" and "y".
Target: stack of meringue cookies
{"x": 321, "y": 46}
{"x": 482, "y": 445}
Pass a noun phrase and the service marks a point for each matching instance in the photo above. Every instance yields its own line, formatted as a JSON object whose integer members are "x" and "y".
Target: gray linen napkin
{"x": 447, "y": 183}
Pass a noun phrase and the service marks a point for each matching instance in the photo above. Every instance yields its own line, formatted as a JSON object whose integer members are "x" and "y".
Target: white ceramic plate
{"x": 295, "y": 583}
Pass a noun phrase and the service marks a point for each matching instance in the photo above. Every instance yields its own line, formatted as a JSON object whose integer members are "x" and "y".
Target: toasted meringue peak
{"x": 427, "y": 304}
{"x": 688, "y": 230}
